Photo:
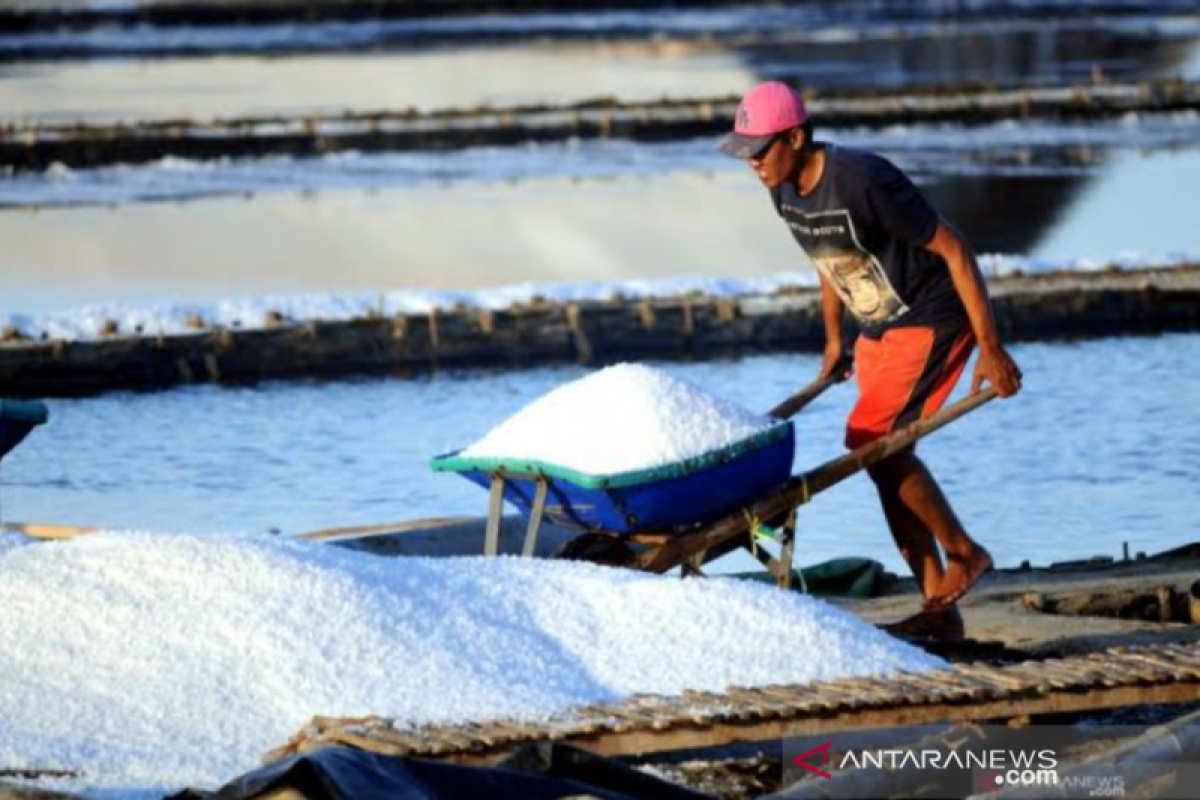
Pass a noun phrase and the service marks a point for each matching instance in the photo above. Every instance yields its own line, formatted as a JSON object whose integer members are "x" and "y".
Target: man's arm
{"x": 994, "y": 362}
{"x": 832, "y": 312}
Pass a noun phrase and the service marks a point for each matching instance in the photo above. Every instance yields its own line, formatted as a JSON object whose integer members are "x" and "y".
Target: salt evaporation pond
{"x": 823, "y": 47}
{"x": 620, "y": 419}
{"x": 1099, "y": 449}
{"x": 391, "y": 228}
{"x": 147, "y": 660}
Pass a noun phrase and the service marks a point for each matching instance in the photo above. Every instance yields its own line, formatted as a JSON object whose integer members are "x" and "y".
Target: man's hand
{"x": 996, "y": 366}
{"x": 835, "y": 363}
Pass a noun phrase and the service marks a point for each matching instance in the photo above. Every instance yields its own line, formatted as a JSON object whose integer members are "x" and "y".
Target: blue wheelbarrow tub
{"x": 675, "y": 495}
{"x": 17, "y": 419}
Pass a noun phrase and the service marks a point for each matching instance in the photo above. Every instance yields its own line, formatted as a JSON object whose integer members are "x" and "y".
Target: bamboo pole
{"x": 41, "y": 531}
{"x": 834, "y": 472}
{"x": 794, "y": 404}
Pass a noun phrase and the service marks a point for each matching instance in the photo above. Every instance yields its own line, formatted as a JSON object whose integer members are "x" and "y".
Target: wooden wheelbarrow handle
{"x": 833, "y": 472}
{"x": 791, "y": 406}
{"x": 799, "y": 489}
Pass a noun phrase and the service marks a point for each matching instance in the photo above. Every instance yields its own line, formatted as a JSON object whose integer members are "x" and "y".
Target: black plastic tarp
{"x": 544, "y": 771}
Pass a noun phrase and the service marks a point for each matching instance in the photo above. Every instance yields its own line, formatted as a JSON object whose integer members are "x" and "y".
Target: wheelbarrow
{"x": 689, "y": 513}
{"x": 17, "y": 419}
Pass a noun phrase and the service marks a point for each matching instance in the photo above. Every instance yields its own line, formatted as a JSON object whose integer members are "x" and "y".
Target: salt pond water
{"x": 155, "y": 661}
{"x": 1100, "y": 448}
{"x": 700, "y": 53}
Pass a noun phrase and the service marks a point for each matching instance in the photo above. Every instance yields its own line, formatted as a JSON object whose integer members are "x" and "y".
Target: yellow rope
{"x": 753, "y": 523}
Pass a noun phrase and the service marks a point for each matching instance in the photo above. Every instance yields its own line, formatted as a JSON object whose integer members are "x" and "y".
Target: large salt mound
{"x": 619, "y": 419}
{"x": 157, "y": 661}
{"x": 10, "y": 540}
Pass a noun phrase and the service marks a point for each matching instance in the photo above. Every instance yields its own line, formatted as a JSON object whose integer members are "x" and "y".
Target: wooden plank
{"x": 1114, "y": 671}
{"x": 1002, "y": 682}
{"x": 1178, "y": 671}
{"x": 1183, "y": 654}
{"x": 362, "y": 742}
{"x": 760, "y": 701}
{"x": 43, "y": 531}
{"x": 405, "y": 740}
{"x": 1140, "y": 669}
{"x": 382, "y": 529}
{"x": 1061, "y": 676}
{"x": 836, "y": 695}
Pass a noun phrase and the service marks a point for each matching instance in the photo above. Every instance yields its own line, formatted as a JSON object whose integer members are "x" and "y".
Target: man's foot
{"x": 941, "y": 624}
{"x": 961, "y": 575}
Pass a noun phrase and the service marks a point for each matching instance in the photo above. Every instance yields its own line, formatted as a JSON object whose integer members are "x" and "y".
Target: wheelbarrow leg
{"x": 784, "y": 576}
{"x": 535, "y": 518}
{"x": 491, "y": 537}
{"x": 781, "y": 567}
{"x": 691, "y": 567}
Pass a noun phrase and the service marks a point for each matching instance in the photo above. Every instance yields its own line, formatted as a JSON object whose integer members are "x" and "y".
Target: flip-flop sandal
{"x": 924, "y": 625}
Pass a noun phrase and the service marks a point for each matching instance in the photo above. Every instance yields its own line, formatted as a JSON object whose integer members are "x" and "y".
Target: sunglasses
{"x": 761, "y": 153}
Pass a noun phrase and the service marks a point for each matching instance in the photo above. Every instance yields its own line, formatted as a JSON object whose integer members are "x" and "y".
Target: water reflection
{"x": 465, "y": 236}
{"x": 363, "y": 225}
{"x": 1136, "y": 197}
{"x": 226, "y": 87}
{"x": 223, "y": 85}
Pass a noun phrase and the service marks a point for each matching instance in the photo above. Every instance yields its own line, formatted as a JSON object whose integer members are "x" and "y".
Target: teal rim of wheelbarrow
{"x": 617, "y": 480}
{"x": 32, "y": 411}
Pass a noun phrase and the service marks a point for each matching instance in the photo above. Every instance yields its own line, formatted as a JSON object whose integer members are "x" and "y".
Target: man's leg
{"x": 918, "y": 513}
{"x": 904, "y": 376}
{"x": 914, "y": 540}
{"x": 920, "y": 551}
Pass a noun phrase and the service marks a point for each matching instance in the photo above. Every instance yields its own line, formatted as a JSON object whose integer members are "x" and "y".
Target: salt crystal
{"x": 149, "y": 660}
{"x": 623, "y": 418}
{"x": 11, "y": 539}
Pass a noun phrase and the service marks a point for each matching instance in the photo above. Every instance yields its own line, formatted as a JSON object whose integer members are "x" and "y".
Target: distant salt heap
{"x": 154, "y": 661}
{"x": 623, "y": 418}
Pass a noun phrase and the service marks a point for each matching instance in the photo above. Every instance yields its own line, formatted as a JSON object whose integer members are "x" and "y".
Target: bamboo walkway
{"x": 35, "y": 146}
{"x": 653, "y": 723}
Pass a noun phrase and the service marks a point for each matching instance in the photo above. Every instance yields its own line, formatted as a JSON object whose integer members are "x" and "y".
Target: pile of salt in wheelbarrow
{"x": 681, "y": 512}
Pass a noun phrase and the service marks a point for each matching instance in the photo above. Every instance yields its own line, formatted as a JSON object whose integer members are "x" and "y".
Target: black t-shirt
{"x": 864, "y": 225}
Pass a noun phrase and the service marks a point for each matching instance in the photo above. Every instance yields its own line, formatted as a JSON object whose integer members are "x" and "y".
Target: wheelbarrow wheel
{"x": 604, "y": 549}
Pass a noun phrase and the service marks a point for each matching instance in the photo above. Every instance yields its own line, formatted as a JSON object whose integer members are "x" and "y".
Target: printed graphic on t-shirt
{"x": 856, "y": 275}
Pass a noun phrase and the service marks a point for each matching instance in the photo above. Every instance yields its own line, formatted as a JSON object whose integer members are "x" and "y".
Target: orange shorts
{"x": 904, "y": 376}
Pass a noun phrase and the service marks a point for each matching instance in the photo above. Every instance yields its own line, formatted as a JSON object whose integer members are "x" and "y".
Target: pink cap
{"x": 766, "y": 110}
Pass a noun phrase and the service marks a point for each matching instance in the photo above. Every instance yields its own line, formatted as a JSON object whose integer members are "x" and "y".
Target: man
{"x": 915, "y": 289}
